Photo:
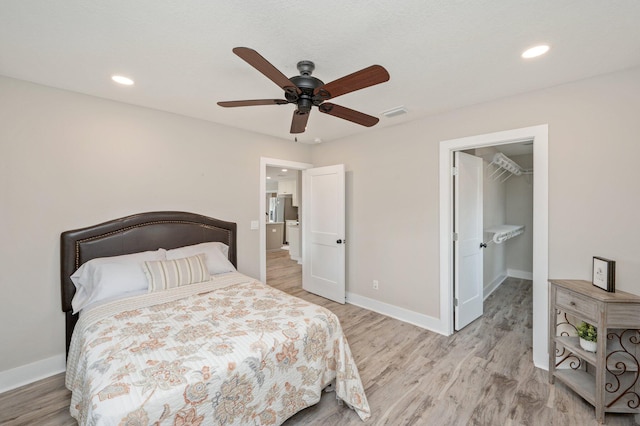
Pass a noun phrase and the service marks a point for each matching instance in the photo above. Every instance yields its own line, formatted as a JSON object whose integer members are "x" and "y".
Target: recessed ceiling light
{"x": 535, "y": 51}
{"x": 120, "y": 79}
{"x": 284, "y": 170}
{"x": 268, "y": 177}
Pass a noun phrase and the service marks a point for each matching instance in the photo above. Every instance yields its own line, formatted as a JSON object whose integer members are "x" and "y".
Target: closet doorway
{"x": 487, "y": 146}
{"x": 493, "y": 223}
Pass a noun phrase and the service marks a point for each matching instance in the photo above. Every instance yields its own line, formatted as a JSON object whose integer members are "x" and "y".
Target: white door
{"x": 468, "y": 278}
{"x": 323, "y": 232}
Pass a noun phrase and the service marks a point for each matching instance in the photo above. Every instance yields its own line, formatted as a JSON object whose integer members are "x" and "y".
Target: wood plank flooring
{"x": 482, "y": 375}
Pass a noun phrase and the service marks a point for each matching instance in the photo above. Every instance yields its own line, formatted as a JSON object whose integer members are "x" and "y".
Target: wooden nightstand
{"x": 609, "y": 378}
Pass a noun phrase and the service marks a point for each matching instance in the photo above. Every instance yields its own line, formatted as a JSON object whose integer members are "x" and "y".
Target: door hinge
{"x": 454, "y": 171}
{"x": 455, "y": 302}
{"x": 455, "y": 236}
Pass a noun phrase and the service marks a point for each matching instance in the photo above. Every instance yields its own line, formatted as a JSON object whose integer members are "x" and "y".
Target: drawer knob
{"x": 572, "y": 303}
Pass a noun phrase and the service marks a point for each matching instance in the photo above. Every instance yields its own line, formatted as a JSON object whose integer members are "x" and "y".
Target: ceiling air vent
{"x": 394, "y": 112}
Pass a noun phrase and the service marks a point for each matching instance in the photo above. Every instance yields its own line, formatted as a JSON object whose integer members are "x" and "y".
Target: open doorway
{"x": 493, "y": 224}
{"x": 283, "y": 236}
{"x": 283, "y": 212}
{"x": 273, "y": 213}
{"x": 322, "y": 227}
{"x": 539, "y": 136}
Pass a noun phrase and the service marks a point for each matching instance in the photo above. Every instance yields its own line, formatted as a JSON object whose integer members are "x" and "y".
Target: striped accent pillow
{"x": 165, "y": 274}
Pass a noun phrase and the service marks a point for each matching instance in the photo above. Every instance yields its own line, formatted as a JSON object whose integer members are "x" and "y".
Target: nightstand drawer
{"x": 587, "y": 308}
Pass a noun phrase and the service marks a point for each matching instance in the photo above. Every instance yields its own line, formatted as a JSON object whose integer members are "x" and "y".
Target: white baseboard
{"x": 25, "y": 374}
{"x": 402, "y": 314}
{"x": 513, "y": 273}
{"x": 494, "y": 285}
{"x": 523, "y": 275}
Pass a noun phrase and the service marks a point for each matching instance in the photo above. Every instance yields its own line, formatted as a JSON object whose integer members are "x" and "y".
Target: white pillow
{"x": 107, "y": 277}
{"x": 165, "y": 274}
{"x": 216, "y": 253}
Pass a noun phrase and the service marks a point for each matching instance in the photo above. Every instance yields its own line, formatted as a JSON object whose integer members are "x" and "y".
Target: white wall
{"x": 519, "y": 211}
{"x": 593, "y": 194}
{"x": 69, "y": 160}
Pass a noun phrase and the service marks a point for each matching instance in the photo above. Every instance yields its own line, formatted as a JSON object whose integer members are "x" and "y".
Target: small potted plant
{"x": 588, "y": 336}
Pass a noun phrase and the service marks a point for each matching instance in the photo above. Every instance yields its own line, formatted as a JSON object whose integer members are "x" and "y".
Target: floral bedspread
{"x": 230, "y": 351}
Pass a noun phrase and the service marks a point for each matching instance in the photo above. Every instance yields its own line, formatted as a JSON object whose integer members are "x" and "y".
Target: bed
{"x": 187, "y": 350}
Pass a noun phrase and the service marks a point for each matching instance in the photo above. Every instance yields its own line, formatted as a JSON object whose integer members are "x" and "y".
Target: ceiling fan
{"x": 306, "y": 91}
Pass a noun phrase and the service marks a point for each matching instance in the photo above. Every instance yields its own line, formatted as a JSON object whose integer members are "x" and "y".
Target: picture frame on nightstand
{"x": 604, "y": 274}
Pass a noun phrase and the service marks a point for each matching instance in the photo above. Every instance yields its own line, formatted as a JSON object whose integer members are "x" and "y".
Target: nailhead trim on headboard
{"x": 156, "y": 222}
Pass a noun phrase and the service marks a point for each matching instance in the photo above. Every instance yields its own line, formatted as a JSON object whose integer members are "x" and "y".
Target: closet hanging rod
{"x": 502, "y": 233}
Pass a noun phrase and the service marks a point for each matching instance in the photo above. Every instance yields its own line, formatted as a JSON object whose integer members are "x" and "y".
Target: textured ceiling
{"x": 441, "y": 55}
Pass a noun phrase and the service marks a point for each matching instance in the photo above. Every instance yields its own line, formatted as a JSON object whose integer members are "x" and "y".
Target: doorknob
{"x": 483, "y": 245}
{"x": 339, "y": 241}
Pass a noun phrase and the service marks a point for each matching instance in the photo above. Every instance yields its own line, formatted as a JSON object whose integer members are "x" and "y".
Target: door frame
{"x": 540, "y": 136}
{"x": 262, "y": 220}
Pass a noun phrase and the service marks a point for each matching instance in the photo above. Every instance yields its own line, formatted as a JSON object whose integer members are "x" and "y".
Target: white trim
{"x": 523, "y": 275}
{"x": 402, "y": 314}
{"x": 494, "y": 285}
{"x": 25, "y": 374}
{"x": 540, "y": 136}
{"x": 274, "y": 162}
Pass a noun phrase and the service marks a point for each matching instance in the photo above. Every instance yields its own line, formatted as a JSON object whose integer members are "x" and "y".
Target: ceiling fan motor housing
{"x": 307, "y": 84}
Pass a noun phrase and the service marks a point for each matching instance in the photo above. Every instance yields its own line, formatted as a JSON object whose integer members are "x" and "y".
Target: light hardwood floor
{"x": 482, "y": 375}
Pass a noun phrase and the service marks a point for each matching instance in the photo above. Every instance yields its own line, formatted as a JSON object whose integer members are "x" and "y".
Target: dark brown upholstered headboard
{"x": 132, "y": 234}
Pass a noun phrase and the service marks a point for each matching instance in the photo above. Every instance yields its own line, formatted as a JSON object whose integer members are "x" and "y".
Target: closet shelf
{"x": 505, "y": 166}
{"x": 502, "y": 233}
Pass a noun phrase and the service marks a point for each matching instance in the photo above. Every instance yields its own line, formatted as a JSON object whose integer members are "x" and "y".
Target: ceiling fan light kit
{"x": 307, "y": 91}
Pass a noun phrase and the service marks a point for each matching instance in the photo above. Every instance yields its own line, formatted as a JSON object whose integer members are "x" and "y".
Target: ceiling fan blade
{"x": 299, "y": 122}
{"x": 348, "y": 114}
{"x": 370, "y": 76}
{"x": 254, "y": 102}
{"x": 256, "y": 60}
